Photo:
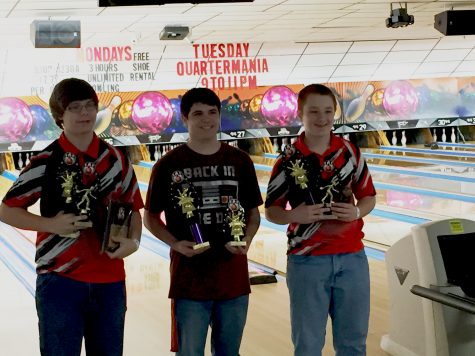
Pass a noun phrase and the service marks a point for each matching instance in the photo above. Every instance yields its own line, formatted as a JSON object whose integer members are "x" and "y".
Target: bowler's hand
{"x": 345, "y": 211}
{"x": 126, "y": 247}
{"x": 63, "y": 224}
{"x": 185, "y": 247}
{"x": 237, "y": 250}
{"x": 307, "y": 214}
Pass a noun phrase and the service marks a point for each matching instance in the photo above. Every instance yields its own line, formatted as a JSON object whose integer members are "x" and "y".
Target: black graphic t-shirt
{"x": 215, "y": 180}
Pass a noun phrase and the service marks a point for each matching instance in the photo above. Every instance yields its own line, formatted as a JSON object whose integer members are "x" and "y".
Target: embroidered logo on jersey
{"x": 178, "y": 177}
{"x": 328, "y": 166}
{"x": 69, "y": 158}
{"x": 288, "y": 151}
{"x": 89, "y": 168}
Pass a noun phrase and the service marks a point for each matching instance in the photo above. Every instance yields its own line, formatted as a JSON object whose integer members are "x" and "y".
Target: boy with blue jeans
{"x": 80, "y": 291}
{"x": 327, "y": 183}
{"x": 209, "y": 286}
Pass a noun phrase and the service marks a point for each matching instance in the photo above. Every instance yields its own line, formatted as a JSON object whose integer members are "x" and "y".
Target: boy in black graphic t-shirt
{"x": 210, "y": 285}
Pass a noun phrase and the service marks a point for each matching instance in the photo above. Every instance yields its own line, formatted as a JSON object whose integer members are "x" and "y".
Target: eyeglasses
{"x": 76, "y": 108}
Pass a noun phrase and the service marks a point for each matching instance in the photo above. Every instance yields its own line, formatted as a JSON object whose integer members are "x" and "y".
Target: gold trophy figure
{"x": 186, "y": 200}
{"x": 299, "y": 173}
{"x": 68, "y": 186}
{"x": 84, "y": 205}
{"x": 328, "y": 197}
{"x": 236, "y": 223}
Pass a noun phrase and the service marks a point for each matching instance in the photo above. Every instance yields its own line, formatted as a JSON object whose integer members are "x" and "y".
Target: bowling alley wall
{"x": 140, "y": 92}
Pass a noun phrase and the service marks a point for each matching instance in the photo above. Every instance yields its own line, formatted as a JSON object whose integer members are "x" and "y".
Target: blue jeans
{"x": 335, "y": 285}
{"x": 226, "y": 318}
{"x": 69, "y": 310}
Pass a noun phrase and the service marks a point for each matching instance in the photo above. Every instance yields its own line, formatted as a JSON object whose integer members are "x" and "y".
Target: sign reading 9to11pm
{"x": 223, "y": 66}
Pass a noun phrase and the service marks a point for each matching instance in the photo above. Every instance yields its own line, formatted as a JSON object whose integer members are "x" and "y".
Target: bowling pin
{"x": 434, "y": 136}
{"x": 159, "y": 152}
{"x": 394, "y": 139}
{"x": 27, "y": 160}
{"x": 103, "y": 118}
{"x": 358, "y": 105}
{"x": 155, "y": 154}
{"x": 275, "y": 145}
{"x": 294, "y": 139}
{"x": 452, "y": 136}
{"x": 20, "y": 161}
{"x": 403, "y": 138}
{"x": 444, "y": 136}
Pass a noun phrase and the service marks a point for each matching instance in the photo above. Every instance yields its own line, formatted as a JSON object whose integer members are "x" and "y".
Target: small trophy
{"x": 235, "y": 220}
{"x": 297, "y": 166}
{"x": 327, "y": 198}
{"x": 185, "y": 197}
{"x": 117, "y": 224}
{"x": 77, "y": 201}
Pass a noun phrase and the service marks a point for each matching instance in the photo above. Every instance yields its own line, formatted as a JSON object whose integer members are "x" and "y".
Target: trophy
{"x": 185, "y": 195}
{"x": 117, "y": 224}
{"x": 76, "y": 201}
{"x": 298, "y": 168}
{"x": 235, "y": 220}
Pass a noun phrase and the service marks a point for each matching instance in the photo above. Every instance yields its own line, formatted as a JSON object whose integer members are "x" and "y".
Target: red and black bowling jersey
{"x": 102, "y": 172}
{"x": 341, "y": 172}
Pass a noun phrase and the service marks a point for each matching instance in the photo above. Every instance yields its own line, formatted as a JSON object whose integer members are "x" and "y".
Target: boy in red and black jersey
{"x": 326, "y": 182}
{"x": 80, "y": 291}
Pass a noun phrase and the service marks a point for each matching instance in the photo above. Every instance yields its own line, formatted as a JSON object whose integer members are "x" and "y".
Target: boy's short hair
{"x": 67, "y": 91}
{"x": 199, "y": 95}
{"x": 319, "y": 89}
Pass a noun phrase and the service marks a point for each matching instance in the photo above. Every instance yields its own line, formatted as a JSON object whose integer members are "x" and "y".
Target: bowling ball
{"x": 43, "y": 124}
{"x": 152, "y": 112}
{"x": 124, "y": 114}
{"x": 176, "y": 124}
{"x": 15, "y": 119}
{"x": 255, "y": 107}
{"x": 400, "y": 99}
{"x": 377, "y": 101}
{"x": 279, "y": 106}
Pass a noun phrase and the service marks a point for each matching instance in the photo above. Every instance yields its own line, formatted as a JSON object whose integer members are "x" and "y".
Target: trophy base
{"x": 201, "y": 245}
{"x": 238, "y": 243}
{"x": 83, "y": 224}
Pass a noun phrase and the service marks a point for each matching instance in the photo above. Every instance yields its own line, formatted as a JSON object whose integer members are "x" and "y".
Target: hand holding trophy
{"x": 235, "y": 220}
{"x": 185, "y": 196}
{"x": 297, "y": 166}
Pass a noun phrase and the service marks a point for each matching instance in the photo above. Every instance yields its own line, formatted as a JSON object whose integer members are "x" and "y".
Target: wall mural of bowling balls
{"x": 176, "y": 124}
{"x": 400, "y": 99}
{"x": 152, "y": 112}
{"x": 16, "y": 119}
{"x": 376, "y": 100}
{"x": 43, "y": 127}
{"x": 255, "y": 107}
{"x": 279, "y": 106}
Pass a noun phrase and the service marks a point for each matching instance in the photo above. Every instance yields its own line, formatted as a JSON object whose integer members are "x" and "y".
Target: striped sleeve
{"x": 278, "y": 187}
{"x": 362, "y": 181}
{"x": 27, "y": 188}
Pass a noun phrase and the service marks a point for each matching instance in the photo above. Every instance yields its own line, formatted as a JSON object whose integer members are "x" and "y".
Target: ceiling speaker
{"x": 56, "y": 34}
{"x": 455, "y": 22}
{"x": 174, "y": 33}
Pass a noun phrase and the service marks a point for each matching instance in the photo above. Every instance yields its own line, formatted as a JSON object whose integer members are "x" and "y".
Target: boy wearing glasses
{"x": 80, "y": 292}
{"x": 209, "y": 286}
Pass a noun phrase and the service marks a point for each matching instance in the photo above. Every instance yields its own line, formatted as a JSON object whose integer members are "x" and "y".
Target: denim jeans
{"x": 226, "y": 318}
{"x": 336, "y": 285}
{"x": 69, "y": 310}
